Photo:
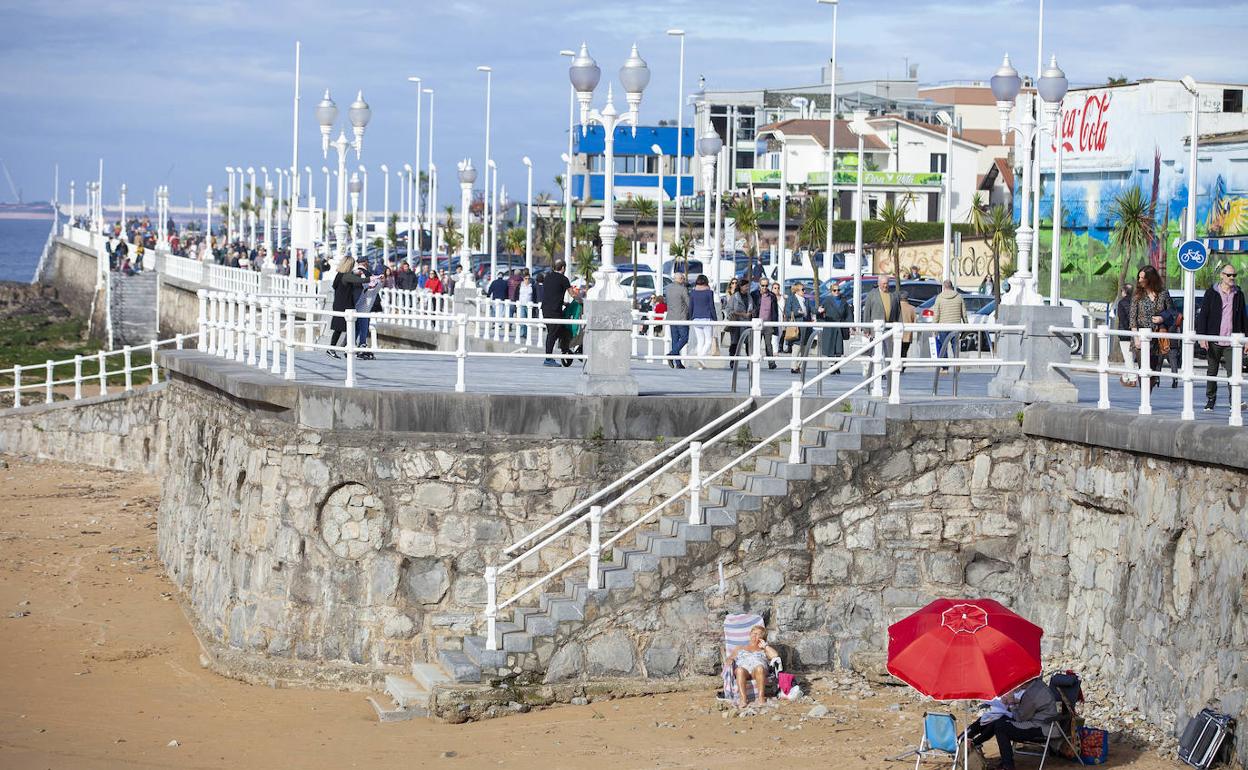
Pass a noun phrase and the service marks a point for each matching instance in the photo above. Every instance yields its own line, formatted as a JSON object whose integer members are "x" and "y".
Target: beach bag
{"x": 784, "y": 681}
{"x": 1093, "y": 744}
{"x": 1206, "y": 739}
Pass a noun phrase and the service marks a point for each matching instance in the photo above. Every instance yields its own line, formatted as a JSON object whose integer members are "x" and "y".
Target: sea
{"x": 21, "y": 243}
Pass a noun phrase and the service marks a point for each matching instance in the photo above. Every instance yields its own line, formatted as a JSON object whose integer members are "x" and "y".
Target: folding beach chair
{"x": 1068, "y": 690}
{"x": 736, "y": 634}
{"x": 939, "y": 739}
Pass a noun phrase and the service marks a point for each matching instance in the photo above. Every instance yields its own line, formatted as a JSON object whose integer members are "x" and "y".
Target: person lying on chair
{"x": 752, "y": 659}
{"x": 1035, "y": 709}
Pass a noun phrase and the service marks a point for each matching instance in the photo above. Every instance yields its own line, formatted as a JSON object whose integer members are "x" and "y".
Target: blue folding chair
{"x": 940, "y": 737}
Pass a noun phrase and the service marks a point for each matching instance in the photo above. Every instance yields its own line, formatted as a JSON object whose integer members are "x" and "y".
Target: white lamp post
{"x": 634, "y": 76}
{"x": 658, "y": 151}
{"x": 1055, "y": 262}
{"x": 416, "y": 215}
{"x": 251, "y": 215}
{"x": 709, "y": 145}
{"x": 364, "y": 210}
{"x": 680, "y": 133}
{"x": 783, "y": 266}
{"x": 325, "y": 235}
{"x": 268, "y": 223}
{"x": 567, "y": 172}
{"x": 385, "y": 215}
{"x": 208, "y": 225}
{"x": 861, "y": 127}
{"x": 355, "y": 186}
{"x": 485, "y": 209}
{"x": 359, "y": 115}
{"x": 827, "y": 248}
{"x": 1006, "y": 85}
{"x": 528, "y": 218}
{"x": 1189, "y": 278}
{"x": 124, "y": 234}
{"x": 71, "y": 203}
{"x": 467, "y": 176}
{"x": 433, "y": 215}
{"x": 491, "y": 222}
{"x": 947, "y": 248}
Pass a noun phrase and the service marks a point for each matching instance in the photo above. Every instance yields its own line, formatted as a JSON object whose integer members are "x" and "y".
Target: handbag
{"x": 1093, "y": 745}
{"x": 784, "y": 682}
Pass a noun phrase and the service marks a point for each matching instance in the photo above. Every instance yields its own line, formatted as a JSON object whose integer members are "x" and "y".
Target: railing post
{"x": 17, "y": 386}
{"x": 47, "y": 382}
{"x": 179, "y": 341}
{"x": 695, "y": 482}
{"x": 102, "y": 373}
{"x": 251, "y": 330}
{"x": 877, "y": 360}
{"x": 275, "y": 336}
{"x": 227, "y": 326}
{"x": 290, "y": 340}
{"x": 262, "y": 335}
{"x": 1102, "y": 366}
{"x": 151, "y": 350}
{"x": 1189, "y": 356}
{"x": 491, "y": 607}
{"x": 894, "y": 387}
{"x": 240, "y": 328}
{"x": 461, "y": 350}
{"x": 756, "y": 357}
{"x": 127, "y": 371}
{"x": 795, "y": 426}
{"x": 350, "y": 380}
{"x": 595, "y": 545}
{"x": 77, "y": 377}
{"x": 202, "y": 344}
{"x": 1237, "y": 379}
{"x": 1146, "y": 366}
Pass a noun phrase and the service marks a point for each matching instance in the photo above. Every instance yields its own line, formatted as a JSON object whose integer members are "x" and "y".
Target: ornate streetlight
{"x": 467, "y": 177}
{"x": 634, "y": 76}
{"x": 709, "y": 145}
{"x": 359, "y": 115}
{"x": 1006, "y": 87}
{"x": 356, "y": 186}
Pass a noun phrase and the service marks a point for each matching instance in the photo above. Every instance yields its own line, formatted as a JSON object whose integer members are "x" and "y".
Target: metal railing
{"x": 881, "y": 364}
{"x": 420, "y": 308}
{"x": 1140, "y": 341}
{"x": 87, "y": 373}
{"x": 510, "y": 321}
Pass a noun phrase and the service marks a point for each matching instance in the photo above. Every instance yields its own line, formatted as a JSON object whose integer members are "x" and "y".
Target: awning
{"x": 1226, "y": 244}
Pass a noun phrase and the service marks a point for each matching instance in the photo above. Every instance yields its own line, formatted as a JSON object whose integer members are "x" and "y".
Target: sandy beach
{"x": 99, "y": 669}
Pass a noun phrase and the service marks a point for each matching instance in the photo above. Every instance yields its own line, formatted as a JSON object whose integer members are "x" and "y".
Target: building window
{"x": 596, "y": 164}
{"x": 939, "y": 163}
{"x": 1232, "y": 100}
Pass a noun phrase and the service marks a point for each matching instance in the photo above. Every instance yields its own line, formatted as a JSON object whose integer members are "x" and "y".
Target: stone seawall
{"x": 121, "y": 431}
{"x": 178, "y": 307}
{"x": 72, "y": 271}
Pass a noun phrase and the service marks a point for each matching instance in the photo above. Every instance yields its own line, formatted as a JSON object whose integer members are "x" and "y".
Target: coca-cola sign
{"x": 1086, "y": 128}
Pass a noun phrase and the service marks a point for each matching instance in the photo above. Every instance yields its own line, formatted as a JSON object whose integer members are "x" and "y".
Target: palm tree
{"x": 513, "y": 240}
{"x": 998, "y": 230}
{"x": 814, "y": 230}
{"x": 476, "y": 232}
{"x": 583, "y": 261}
{"x": 747, "y": 224}
{"x": 644, "y": 208}
{"x": 894, "y": 231}
{"x": 977, "y": 217}
{"x": 1134, "y": 228}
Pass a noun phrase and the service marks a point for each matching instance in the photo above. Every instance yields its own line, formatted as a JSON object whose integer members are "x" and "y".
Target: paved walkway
{"x": 434, "y": 373}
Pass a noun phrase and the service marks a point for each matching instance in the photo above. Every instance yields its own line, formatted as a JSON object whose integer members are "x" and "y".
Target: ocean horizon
{"x": 21, "y": 243}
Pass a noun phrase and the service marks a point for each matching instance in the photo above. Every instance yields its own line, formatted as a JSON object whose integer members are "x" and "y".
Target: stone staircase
{"x": 527, "y": 642}
{"x": 133, "y": 307}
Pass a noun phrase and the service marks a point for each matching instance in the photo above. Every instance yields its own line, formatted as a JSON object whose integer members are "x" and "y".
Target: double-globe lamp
{"x": 358, "y": 114}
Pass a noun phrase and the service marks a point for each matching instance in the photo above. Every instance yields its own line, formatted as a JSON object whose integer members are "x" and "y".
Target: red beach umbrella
{"x": 955, "y": 649}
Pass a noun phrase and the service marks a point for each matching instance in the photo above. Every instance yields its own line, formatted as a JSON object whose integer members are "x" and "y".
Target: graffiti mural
{"x": 1136, "y": 136}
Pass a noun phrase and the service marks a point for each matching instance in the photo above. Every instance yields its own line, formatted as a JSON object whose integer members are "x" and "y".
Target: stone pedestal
{"x": 1037, "y": 348}
{"x": 608, "y": 343}
{"x": 464, "y": 300}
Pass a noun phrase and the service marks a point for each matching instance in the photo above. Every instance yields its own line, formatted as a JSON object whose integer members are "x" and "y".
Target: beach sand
{"x": 104, "y": 672}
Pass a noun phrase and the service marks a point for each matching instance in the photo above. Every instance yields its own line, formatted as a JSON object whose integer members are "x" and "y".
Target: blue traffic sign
{"x": 1193, "y": 255}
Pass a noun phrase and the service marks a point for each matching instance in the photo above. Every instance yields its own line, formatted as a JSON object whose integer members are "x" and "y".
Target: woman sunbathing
{"x": 752, "y": 659}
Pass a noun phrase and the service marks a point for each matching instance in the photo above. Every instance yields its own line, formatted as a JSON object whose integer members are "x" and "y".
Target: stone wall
{"x": 121, "y": 431}
{"x": 72, "y": 270}
{"x": 178, "y": 307}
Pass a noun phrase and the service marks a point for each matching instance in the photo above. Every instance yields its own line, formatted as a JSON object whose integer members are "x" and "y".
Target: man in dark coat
{"x": 1221, "y": 314}
{"x": 554, "y": 287}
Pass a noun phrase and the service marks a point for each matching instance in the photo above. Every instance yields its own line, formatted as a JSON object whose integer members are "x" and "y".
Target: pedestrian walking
{"x": 833, "y": 309}
{"x": 1151, "y": 309}
{"x": 741, "y": 308}
{"x": 769, "y": 313}
{"x": 347, "y": 286}
{"x": 704, "y": 308}
{"x": 554, "y": 286}
{"x": 676, "y": 296}
{"x": 797, "y": 309}
{"x": 882, "y": 304}
{"x": 1123, "y": 316}
{"x": 1221, "y": 314}
{"x": 949, "y": 308}
{"x": 907, "y": 320}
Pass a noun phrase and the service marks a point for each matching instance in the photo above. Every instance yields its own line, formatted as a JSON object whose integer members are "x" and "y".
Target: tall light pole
{"x": 1006, "y": 85}
{"x": 433, "y": 219}
{"x": 947, "y": 208}
{"x": 432, "y": 207}
{"x": 268, "y": 222}
{"x": 416, "y": 203}
{"x": 385, "y": 215}
{"x": 782, "y": 267}
{"x": 1189, "y": 278}
{"x": 680, "y": 127}
{"x": 658, "y": 151}
{"x": 861, "y": 127}
{"x": 827, "y": 248}
{"x": 124, "y": 234}
{"x": 208, "y": 224}
{"x": 634, "y": 76}
{"x": 1055, "y": 262}
{"x": 567, "y": 172}
{"x": 251, "y": 215}
{"x": 358, "y": 115}
{"x": 364, "y": 204}
{"x": 325, "y": 206}
{"x": 528, "y": 218}
{"x": 355, "y": 186}
{"x": 467, "y": 176}
{"x": 709, "y": 145}
{"x": 488, "y": 231}
{"x": 1040, "y": 108}
{"x": 229, "y": 205}
{"x": 485, "y": 210}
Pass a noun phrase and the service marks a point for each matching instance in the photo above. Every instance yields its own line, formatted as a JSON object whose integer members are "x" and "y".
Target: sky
{"x": 171, "y": 92}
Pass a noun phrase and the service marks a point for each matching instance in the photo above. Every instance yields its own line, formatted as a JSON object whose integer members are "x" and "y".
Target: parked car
{"x": 644, "y": 281}
{"x": 918, "y": 292}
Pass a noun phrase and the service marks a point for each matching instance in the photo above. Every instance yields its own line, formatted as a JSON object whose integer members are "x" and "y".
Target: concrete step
{"x": 718, "y": 516}
{"x": 474, "y": 648}
{"x": 760, "y": 483}
{"x": 429, "y": 675}
{"x": 781, "y": 468}
{"x": 459, "y": 667}
{"x": 679, "y": 526}
{"x": 540, "y": 623}
{"x": 614, "y": 576}
{"x": 406, "y": 692}
{"x": 638, "y": 560}
{"x": 564, "y": 609}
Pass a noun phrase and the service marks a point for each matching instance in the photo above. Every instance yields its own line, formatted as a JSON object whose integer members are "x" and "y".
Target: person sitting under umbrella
{"x": 1035, "y": 710}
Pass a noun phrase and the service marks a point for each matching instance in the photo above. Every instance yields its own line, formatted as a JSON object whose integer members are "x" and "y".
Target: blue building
{"x": 636, "y": 163}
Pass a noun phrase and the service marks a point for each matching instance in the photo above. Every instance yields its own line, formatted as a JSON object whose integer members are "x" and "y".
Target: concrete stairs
{"x": 133, "y": 307}
{"x": 409, "y": 695}
{"x": 527, "y": 640}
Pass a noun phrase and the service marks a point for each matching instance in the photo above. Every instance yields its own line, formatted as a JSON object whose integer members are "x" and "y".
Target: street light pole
{"x": 1006, "y": 86}
{"x": 490, "y": 230}
{"x": 567, "y": 173}
{"x": 485, "y": 208}
{"x": 251, "y": 215}
{"x": 709, "y": 145}
{"x": 416, "y": 215}
{"x": 364, "y": 203}
{"x": 861, "y": 127}
{"x": 124, "y": 234}
{"x": 658, "y": 246}
{"x": 782, "y": 236}
{"x": 432, "y": 208}
{"x": 467, "y": 176}
{"x": 385, "y": 216}
{"x": 634, "y": 76}
{"x": 433, "y": 215}
{"x": 207, "y": 224}
{"x": 325, "y": 206}
{"x": 528, "y": 218}
{"x": 1055, "y": 263}
{"x": 827, "y": 248}
{"x": 680, "y": 128}
{"x": 268, "y": 222}
{"x": 358, "y": 115}
{"x": 1189, "y": 278}
{"x": 947, "y": 208}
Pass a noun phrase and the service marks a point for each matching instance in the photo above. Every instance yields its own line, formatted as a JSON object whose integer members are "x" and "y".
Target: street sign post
{"x": 1193, "y": 255}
